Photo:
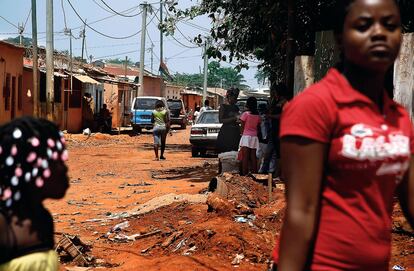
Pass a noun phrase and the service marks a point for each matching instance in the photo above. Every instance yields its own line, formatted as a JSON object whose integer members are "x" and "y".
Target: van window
{"x": 175, "y": 104}
{"x": 145, "y": 104}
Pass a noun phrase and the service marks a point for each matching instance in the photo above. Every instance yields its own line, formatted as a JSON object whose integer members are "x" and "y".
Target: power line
{"x": 189, "y": 23}
{"x": 182, "y": 44}
{"x": 27, "y": 19}
{"x": 123, "y": 53}
{"x": 116, "y": 12}
{"x": 97, "y": 31}
{"x": 64, "y": 13}
{"x": 9, "y": 22}
{"x": 99, "y": 5}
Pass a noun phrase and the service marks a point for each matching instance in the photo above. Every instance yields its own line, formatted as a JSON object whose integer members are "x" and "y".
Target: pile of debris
{"x": 239, "y": 223}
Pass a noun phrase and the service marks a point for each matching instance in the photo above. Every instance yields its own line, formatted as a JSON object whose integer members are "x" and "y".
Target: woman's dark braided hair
{"x": 27, "y": 147}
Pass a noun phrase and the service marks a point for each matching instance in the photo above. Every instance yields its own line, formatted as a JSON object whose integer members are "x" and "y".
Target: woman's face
{"x": 371, "y": 36}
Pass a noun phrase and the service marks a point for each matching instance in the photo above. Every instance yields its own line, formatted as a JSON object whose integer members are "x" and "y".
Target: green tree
{"x": 218, "y": 76}
{"x": 258, "y": 28}
{"x": 26, "y": 41}
{"x": 118, "y": 61}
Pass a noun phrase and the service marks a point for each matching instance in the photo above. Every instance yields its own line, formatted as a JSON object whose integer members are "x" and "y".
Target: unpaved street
{"x": 115, "y": 179}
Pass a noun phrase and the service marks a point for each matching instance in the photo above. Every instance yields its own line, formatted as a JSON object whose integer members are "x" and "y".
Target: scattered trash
{"x": 398, "y": 268}
{"x": 237, "y": 259}
{"x": 71, "y": 248}
{"x": 105, "y": 174}
{"x": 171, "y": 239}
{"x": 189, "y": 251}
{"x": 123, "y": 238}
{"x": 141, "y": 191}
{"x": 120, "y": 226}
{"x": 244, "y": 219}
{"x": 180, "y": 244}
{"x": 86, "y": 132}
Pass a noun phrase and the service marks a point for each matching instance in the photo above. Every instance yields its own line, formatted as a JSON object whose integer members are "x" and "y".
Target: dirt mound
{"x": 242, "y": 235}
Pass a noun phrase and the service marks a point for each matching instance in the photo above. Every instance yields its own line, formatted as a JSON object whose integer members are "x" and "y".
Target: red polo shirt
{"x": 369, "y": 153}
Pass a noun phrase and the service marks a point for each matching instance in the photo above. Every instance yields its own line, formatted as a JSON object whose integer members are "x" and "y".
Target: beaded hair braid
{"x": 27, "y": 146}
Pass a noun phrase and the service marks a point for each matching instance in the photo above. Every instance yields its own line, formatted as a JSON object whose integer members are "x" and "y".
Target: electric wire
{"x": 116, "y": 12}
{"x": 12, "y": 24}
{"x": 176, "y": 40}
{"x": 118, "y": 54}
{"x": 27, "y": 19}
{"x": 97, "y": 31}
{"x": 64, "y": 14}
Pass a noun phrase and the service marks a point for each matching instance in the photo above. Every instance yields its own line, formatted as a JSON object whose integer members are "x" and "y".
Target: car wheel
{"x": 194, "y": 152}
{"x": 137, "y": 129}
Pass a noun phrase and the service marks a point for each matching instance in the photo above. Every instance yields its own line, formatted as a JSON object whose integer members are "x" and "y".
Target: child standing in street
{"x": 32, "y": 169}
{"x": 161, "y": 120}
{"x": 249, "y": 142}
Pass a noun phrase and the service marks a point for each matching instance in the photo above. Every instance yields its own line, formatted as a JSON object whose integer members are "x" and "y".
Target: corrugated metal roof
{"x": 86, "y": 79}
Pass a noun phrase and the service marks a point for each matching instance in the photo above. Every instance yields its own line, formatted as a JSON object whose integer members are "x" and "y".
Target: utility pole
{"x": 21, "y": 30}
{"x": 126, "y": 68}
{"x": 49, "y": 61}
{"x": 83, "y": 38}
{"x": 35, "y": 93}
{"x": 145, "y": 6}
{"x": 161, "y": 35}
{"x": 206, "y": 44}
{"x": 151, "y": 49}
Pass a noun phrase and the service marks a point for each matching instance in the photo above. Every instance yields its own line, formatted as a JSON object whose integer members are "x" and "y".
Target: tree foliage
{"x": 118, "y": 61}
{"x": 218, "y": 76}
{"x": 26, "y": 41}
{"x": 258, "y": 28}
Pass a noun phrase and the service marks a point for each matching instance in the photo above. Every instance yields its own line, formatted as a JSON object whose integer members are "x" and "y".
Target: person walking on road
{"x": 249, "y": 142}
{"x": 228, "y": 138}
{"x": 346, "y": 149}
{"x": 32, "y": 169}
{"x": 161, "y": 120}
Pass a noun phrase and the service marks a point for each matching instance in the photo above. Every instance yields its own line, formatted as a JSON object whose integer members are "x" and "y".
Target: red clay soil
{"x": 111, "y": 176}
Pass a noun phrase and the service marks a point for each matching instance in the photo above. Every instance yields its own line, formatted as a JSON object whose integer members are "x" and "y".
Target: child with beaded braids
{"x": 32, "y": 168}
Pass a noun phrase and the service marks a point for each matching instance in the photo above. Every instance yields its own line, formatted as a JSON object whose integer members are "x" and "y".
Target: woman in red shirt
{"x": 346, "y": 148}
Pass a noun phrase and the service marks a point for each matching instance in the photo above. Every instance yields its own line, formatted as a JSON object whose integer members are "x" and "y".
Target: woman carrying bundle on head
{"x": 32, "y": 169}
{"x": 346, "y": 150}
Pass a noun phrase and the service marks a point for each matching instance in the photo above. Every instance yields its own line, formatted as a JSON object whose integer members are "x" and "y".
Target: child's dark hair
{"x": 342, "y": 8}
{"x": 251, "y": 105}
{"x": 27, "y": 147}
{"x": 159, "y": 104}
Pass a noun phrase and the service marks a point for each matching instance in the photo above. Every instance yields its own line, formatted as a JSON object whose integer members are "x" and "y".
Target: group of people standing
{"x": 245, "y": 132}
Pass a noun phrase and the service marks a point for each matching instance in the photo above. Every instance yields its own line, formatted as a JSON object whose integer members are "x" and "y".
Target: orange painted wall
{"x": 152, "y": 86}
{"x": 191, "y": 100}
{"x": 11, "y": 62}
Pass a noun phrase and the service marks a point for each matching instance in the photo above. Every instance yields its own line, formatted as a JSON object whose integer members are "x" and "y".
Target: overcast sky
{"x": 180, "y": 54}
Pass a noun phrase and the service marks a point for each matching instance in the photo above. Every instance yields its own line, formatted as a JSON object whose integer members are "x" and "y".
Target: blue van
{"x": 141, "y": 112}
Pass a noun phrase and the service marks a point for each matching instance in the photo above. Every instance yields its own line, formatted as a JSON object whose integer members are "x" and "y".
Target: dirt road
{"x": 115, "y": 179}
